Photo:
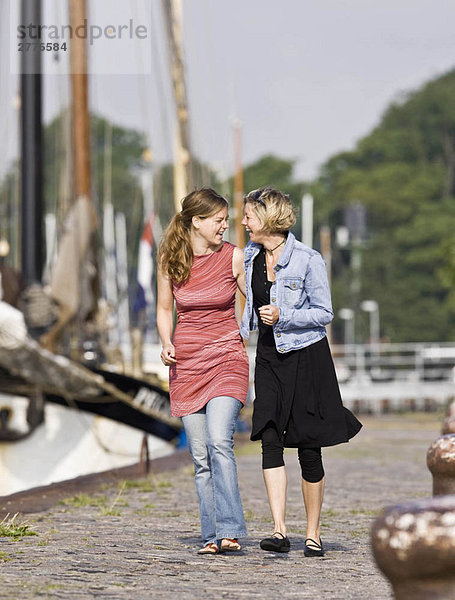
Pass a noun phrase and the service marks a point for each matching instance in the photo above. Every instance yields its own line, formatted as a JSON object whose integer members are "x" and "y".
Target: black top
{"x": 261, "y": 287}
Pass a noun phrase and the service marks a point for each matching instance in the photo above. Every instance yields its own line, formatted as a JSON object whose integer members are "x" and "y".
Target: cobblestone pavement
{"x": 139, "y": 540}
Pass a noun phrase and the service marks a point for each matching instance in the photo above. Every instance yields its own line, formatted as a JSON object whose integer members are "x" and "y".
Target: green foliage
{"x": 142, "y": 485}
{"x": 274, "y": 171}
{"x": 268, "y": 170}
{"x": 277, "y": 172}
{"x": 81, "y": 499}
{"x": 164, "y": 193}
{"x": 10, "y": 527}
{"x": 404, "y": 174}
{"x": 111, "y": 511}
{"x": 128, "y": 147}
{"x": 164, "y": 187}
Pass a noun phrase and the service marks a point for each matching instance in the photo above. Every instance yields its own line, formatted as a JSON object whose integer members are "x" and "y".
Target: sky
{"x": 306, "y": 79}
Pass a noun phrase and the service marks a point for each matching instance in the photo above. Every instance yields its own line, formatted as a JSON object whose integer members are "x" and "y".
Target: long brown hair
{"x": 175, "y": 254}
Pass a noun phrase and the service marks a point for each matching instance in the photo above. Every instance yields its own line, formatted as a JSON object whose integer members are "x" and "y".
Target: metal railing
{"x": 395, "y": 362}
{"x": 379, "y": 377}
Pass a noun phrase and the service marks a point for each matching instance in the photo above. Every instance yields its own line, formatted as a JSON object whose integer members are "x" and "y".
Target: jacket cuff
{"x": 283, "y": 320}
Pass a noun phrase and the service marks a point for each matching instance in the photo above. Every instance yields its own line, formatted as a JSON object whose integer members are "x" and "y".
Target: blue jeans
{"x": 210, "y": 438}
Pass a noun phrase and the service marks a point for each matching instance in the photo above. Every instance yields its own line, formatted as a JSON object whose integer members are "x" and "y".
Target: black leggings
{"x": 310, "y": 459}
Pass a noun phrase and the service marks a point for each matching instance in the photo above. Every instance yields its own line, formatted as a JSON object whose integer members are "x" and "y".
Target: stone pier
{"x": 139, "y": 539}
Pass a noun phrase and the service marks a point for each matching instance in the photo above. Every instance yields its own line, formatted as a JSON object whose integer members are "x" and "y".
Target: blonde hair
{"x": 175, "y": 254}
{"x": 273, "y": 208}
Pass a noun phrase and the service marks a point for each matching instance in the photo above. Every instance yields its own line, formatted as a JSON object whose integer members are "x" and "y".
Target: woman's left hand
{"x": 269, "y": 314}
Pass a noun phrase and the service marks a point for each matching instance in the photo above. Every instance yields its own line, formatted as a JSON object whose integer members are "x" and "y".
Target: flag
{"x": 145, "y": 296}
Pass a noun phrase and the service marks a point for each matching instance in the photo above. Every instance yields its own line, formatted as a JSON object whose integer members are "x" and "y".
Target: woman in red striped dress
{"x": 208, "y": 377}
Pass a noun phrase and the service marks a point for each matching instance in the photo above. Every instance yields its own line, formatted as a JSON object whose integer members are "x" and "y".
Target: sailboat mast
{"x": 183, "y": 176}
{"x": 238, "y": 185}
{"x": 77, "y": 239}
{"x": 81, "y": 123}
{"x": 31, "y": 152}
{"x": 238, "y": 201}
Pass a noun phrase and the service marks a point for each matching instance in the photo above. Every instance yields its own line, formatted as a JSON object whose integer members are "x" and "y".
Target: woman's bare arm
{"x": 238, "y": 269}
{"x": 165, "y": 317}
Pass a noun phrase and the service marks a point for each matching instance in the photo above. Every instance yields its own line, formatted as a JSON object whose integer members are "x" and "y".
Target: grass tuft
{"x": 144, "y": 485}
{"x": 10, "y": 527}
{"x": 367, "y": 512}
{"x": 80, "y": 500}
{"x": 248, "y": 514}
{"x": 111, "y": 511}
{"x": 164, "y": 483}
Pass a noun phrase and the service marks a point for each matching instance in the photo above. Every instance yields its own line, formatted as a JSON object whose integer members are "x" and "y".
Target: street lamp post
{"x": 348, "y": 316}
{"x": 354, "y": 354}
{"x": 307, "y": 220}
{"x": 371, "y": 307}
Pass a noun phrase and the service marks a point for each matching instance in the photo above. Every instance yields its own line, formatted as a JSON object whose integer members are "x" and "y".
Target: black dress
{"x": 297, "y": 392}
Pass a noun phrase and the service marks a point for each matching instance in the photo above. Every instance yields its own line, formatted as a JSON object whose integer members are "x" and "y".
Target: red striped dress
{"x": 211, "y": 357}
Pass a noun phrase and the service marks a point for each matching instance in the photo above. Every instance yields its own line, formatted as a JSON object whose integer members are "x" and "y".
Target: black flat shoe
{"x": 275, "y": 543}
{"x": 315, "y": 549}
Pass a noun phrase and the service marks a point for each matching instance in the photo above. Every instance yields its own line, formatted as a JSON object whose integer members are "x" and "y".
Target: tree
{"x": 277, "y": 172}
{"x": 403, "y": 173}
{"x": 164, "y": 187}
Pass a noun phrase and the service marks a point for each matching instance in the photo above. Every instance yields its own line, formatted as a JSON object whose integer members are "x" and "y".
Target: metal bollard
{"x": 451, "y": 409}
{"x": 441, "y": 462}
{"x": 448, "y": 425}
{"x": 414, "y": 546}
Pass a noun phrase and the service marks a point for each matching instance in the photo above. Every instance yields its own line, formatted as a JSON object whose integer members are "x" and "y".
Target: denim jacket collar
{"x": 287, "y": 250}
{"x": 252, "y": 249}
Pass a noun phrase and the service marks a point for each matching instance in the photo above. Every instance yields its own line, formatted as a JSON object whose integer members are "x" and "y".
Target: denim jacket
{"x": 301, "y": 292}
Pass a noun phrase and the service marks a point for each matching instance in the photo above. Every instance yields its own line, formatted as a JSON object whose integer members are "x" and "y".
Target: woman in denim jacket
{"x": 298, "y": 402}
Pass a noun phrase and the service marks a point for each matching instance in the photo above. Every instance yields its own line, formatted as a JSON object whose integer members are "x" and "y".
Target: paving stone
{"x": 142, "y": 541}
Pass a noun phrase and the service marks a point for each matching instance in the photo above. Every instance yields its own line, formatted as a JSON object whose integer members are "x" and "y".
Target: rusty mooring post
{"x": 448, "y": 425}
{"x": 414, "y": 546}
{"x": 144, "y": 460}
{"x": 441, "y": 462}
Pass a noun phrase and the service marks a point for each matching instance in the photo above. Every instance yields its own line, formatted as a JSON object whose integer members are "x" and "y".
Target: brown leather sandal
{"x": 230, "y": 545}
{"x": 210, "y": 548}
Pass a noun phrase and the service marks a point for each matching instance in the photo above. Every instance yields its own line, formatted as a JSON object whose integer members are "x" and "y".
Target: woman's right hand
{"x": 168, "y": 355}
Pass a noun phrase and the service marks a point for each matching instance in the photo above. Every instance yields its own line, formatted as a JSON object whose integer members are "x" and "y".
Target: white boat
{"x": 70, "y": 421}
{"x": 68, "y": 443}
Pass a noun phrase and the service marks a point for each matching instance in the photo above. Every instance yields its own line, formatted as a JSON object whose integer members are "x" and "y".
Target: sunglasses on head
{"x": 256, "y": 196}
